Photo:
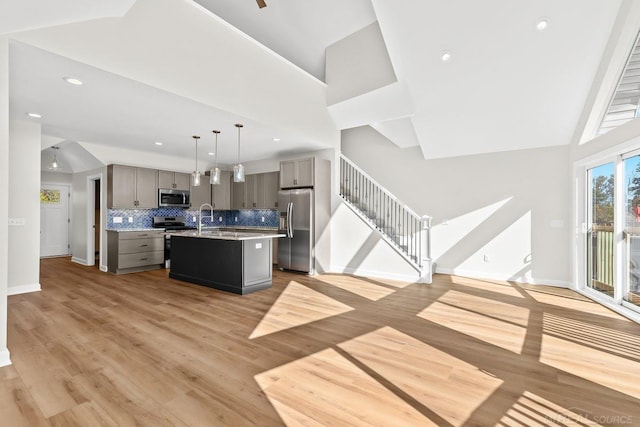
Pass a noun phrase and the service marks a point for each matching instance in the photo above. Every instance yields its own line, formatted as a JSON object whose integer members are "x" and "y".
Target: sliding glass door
{"x": 600, "y": 233}
{"x": 631, "y": 287}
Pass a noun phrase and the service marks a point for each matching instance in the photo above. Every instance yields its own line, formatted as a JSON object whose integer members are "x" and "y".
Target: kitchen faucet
{"x": 200, "y": 216}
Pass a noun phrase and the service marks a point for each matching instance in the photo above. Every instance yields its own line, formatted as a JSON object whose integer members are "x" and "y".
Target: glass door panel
{"x": 600, "y": 238}
{"x": 631, "y": 289}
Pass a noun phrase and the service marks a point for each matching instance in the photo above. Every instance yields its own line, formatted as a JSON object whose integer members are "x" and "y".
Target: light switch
{"x": 258, "y": 245}
{"x": 14, "y": 222}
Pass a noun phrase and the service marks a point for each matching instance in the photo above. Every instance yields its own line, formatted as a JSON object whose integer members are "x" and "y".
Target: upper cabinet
{"x": 201, "y": 194}
{"x": 221, "y": 194}
{"x": 131, "y": 187}
{"x": 296, "y": 173}
{"x": 177, "y": 180}
{"x": 259, "y": 191}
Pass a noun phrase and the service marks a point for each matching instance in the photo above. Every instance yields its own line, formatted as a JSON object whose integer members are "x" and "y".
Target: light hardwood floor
{"x": 141, "y": 349}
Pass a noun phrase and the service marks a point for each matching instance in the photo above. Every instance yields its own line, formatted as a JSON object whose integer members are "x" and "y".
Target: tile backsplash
{"x": 143, "y": 218}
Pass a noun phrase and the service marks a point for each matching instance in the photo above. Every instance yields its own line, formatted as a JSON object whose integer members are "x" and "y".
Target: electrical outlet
{"x": 194, "y": 219}
{"x": 219, "y": 219}
{"x": 236, "y": 219}
{"x": 486, "y": 258}
{"x": 130, "y": 219}
{"x": 262, "y": 219}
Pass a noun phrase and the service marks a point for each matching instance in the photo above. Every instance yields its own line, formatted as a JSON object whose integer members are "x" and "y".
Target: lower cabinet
{"x": 133, "y": 251}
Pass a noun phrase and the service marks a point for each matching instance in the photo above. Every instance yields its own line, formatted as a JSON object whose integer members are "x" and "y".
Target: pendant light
{"x": 196, "y": 173}
{"x": 54, "y": 165}
{"x": 214, "y": 175}
{"x": 238, "y": 170}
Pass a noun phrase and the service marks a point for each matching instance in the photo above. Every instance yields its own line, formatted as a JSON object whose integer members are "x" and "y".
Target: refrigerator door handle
{"x": 290, "y": 220}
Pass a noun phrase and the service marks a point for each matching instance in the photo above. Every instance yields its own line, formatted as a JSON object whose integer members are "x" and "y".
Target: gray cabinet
{"x": 297, "y": 173}
{"x": 259, "y": 191}
{"x": 201, "y": 194}
{"x": 221, "y": 194}
{"x": 131, "y": 187}
{"x": 133, "y": 251}
{"x": 268, "y": 190}
{"x": 177, "y": 180}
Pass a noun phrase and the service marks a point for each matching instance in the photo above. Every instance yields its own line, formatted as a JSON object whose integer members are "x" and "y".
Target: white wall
{"x": 357, "y": 64}
{"x": 24, "y": 193}
{"x": 513, "y": 207}
{"x": 4, "y": 195}
{"x": 56, "y": 177}
{"x": 79, "y": 214}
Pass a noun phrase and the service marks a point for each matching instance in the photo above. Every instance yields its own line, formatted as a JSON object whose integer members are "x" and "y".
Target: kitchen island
{"x": 233, "y": 261}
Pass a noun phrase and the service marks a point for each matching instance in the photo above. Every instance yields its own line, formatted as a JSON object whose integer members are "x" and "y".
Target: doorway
{"x": 94, "y": 221}
{"x": 54, "y": 220}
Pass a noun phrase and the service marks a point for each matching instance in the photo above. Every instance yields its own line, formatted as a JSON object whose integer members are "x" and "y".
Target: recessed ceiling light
{"x": 35, "y": 115}
{"x": 276, "y": 139}
{"x": 542, "y": 24}
{"x": 73, "y": 81}
{"x": 158, "y": 143}
{"x": 211, "y": 154}
{"x": 446, "y": 56}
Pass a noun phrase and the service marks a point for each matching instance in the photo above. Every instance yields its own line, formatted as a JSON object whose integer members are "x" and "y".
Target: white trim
{"x": 503, "y": 277}
{"x": 23, "y": 289}
{"x": 90, "y": 235}
{"x": 104, "y": 268}
{"x": 79, "y": 261}
{"x": 371, "y": 273}
{"x": 5, "y": 357}
{"x": 610, "y": 303}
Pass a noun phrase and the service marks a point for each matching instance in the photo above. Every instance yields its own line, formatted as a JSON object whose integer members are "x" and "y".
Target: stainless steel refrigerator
{"x": 295, "y": 251}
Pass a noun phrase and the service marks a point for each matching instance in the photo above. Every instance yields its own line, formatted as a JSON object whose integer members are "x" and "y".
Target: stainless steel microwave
{"x": 174, "y": 198}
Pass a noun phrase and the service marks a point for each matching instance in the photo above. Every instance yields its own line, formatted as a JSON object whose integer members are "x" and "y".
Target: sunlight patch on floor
{"x": 500, "y": 324}
{"x": 443, "y": 384}
{"x": 327, "y": 389}
{"x": 577, "y": 302}
{"x": 485, "y": 285}
{"x": 363, "y": 288}
{"x": 580, "y": 363}
{"x": 532, "y": 410}
{"x": 297, "y": 305}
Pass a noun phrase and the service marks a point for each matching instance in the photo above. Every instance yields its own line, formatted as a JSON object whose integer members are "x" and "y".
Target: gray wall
{"x": 24, "y": 193}
{"x": 512, "y": 207}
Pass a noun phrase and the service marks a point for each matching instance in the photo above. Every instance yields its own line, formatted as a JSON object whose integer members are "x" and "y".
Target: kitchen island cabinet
{"x": 238, "y": 262}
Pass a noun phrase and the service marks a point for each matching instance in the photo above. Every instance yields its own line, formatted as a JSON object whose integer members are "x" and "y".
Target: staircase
{"x": 405, "y": 231}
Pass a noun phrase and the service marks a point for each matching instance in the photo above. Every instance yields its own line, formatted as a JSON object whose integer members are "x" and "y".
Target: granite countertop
{"x": 228, "y": 235}
{"x": 123, "y": 230}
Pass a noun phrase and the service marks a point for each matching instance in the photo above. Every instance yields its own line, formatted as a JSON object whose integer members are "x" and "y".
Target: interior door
{"x": 54, "y": 220}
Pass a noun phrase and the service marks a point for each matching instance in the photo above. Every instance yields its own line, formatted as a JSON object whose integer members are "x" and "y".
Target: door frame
{"x": 70, "y": 201}
{"x": 581, "y": 199}
{"x": 90, "y": 211}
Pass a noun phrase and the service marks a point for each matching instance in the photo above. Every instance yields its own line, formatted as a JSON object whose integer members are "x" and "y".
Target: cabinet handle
{"x": 254, "y": 204}
{"x": 143, "y": 235}
{"x": 143, "y": 246}
{"x": 143, "y": 259}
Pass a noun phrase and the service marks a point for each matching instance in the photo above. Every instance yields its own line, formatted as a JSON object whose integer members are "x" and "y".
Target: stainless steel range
{"x": 170, "y": 223}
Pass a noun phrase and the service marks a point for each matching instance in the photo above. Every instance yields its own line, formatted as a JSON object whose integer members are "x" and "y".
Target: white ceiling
{"x": 168, "y": 69}
{"x": 297, "y": 30}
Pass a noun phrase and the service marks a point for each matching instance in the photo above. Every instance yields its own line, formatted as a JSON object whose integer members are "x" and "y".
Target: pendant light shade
{"x": 238, "y": 170}
{"x": 54, "y": 165}
{"x": 196, "y": 174}
{"x": 214, "y": 175}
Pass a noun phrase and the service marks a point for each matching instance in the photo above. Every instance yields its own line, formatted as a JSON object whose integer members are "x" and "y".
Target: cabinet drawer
{"x": 140, "y": 259}
{"x": 126, "y": 235}
{"x": 131, "y": 246}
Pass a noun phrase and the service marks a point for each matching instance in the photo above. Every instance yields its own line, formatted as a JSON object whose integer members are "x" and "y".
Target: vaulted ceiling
{"x": 162, "y": 70}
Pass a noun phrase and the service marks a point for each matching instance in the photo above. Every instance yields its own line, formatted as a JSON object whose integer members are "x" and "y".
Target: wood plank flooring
{"x": 94, "y": 349}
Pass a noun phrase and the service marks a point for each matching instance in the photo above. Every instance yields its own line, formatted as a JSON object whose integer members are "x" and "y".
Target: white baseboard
{"x": 502, "y": 277}
{"x": 5, "y": 357}
{"x": 79, "y": 261}
{"x": 371, "y": 273}
{"x": 104, "y": 268}
{"x": 23, "y": 289}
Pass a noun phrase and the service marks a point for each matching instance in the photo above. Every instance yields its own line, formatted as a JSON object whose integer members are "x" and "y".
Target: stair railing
{"x": 407, "y": 232}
